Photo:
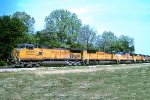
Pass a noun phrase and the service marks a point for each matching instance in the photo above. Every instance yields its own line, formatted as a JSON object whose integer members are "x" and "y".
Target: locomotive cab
{"x": 27, "y": 53}
{"x": 19, "y": 52}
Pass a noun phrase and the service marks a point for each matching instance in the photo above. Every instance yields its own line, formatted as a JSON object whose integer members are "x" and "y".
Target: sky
{"x": 123, "y": 17}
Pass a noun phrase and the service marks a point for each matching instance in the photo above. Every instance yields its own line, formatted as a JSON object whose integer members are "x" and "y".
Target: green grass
{"x": 129, "y": 84}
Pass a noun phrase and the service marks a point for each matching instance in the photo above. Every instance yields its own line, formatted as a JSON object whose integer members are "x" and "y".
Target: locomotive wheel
{"x": 70, "y": 63}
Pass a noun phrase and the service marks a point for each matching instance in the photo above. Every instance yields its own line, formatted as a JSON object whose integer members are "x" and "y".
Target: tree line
{"x": 63, "y": 29}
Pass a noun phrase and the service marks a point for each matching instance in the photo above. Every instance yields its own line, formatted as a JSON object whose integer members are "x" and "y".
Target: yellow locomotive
{"x": 35, "y": 55}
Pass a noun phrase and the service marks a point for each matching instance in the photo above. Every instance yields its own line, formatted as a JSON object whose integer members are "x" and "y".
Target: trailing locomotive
{"x": 29, "y": 55}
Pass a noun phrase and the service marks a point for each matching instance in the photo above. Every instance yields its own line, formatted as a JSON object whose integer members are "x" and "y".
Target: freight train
{"x": 29, "y": 55}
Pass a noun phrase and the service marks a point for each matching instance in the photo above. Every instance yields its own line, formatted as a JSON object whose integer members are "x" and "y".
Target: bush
{"x": 2, "y": 63}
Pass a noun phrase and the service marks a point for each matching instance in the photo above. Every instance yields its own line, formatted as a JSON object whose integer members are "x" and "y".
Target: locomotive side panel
{"x": 75, "y": 56}
{"x": 107, "y": 56}
{"x": 104, "y": 56}
{"x": 92, "y": 56}
{"x": 52, "y": 54}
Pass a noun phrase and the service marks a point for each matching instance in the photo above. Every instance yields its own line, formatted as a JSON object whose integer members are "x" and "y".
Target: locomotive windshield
{"x": 21, "y": 46}
{"x": 31, "y": 46}
{"x": 28, "y": 46}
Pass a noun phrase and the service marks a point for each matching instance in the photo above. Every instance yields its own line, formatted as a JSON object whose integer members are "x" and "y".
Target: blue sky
{"x": 123, "y": 17}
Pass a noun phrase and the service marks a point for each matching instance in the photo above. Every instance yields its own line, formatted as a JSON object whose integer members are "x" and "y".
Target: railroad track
{"x": 76, "y": 70}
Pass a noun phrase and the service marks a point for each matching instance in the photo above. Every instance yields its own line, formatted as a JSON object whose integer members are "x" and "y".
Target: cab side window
{"x": 40, "y": 53}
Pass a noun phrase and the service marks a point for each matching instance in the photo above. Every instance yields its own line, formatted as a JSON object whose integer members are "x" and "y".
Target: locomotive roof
{"x": 75, "y": 50}
{"x": 59, "y": 48}
{"x": 91, "y": 51}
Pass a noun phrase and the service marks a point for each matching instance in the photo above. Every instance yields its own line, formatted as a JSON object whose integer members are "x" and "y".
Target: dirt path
{"x": 16, "y": 69}
{"x": 92, "y": 69}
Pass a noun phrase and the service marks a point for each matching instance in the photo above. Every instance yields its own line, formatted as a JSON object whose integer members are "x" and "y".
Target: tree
{"x": 127, "y": 43}
{"x": 109, "y": 42}
{"x": 11, "y": 30}
{"x": 28, "y": 38}
{"x": 98, "y": 42}
{"x": 106, "y": 40}
{"x": 86, "y": 36}
{"x": 123, "y": 44}
{"x": 64, "y": 25}
{"x": 26, "y": 19}
{"x": 47, "y": 38}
